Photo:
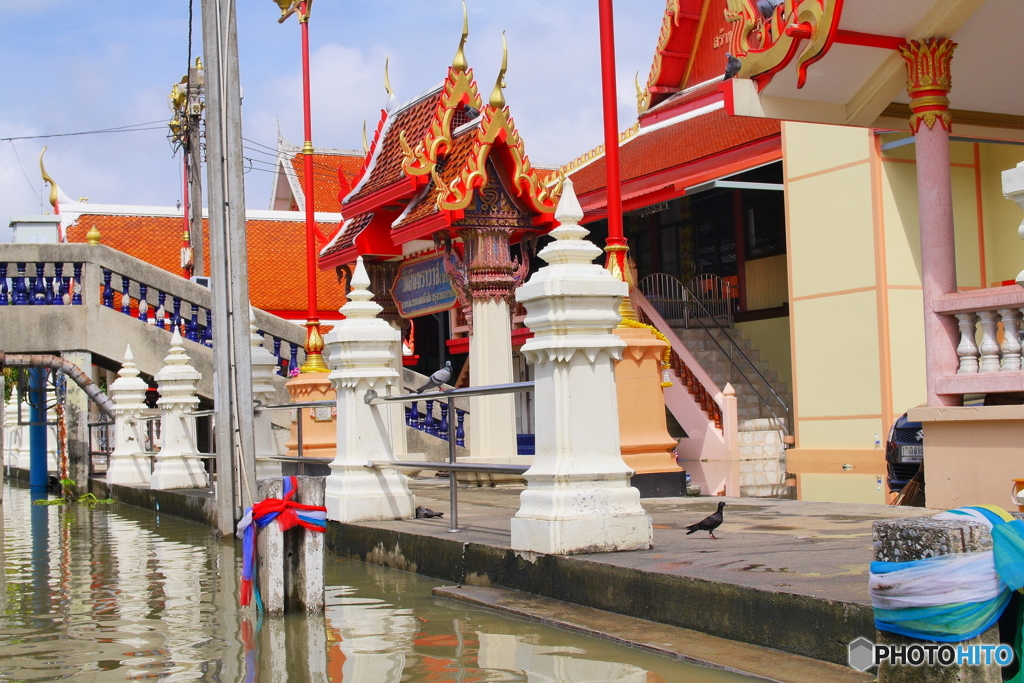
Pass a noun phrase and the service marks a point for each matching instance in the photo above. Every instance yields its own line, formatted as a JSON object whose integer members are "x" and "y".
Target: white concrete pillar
{"x": 128, "y": 464}
{"x": 264, "y": 369}
{"x": 178, "y": 465}
{"x": 12, "y": 433}
{"x": 578, "y": 498}
{"x": 361, "y": 356}
{"x": 490, "y": 362}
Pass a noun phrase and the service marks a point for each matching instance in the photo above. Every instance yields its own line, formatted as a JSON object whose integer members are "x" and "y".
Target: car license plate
{"x": 911, "y": 453}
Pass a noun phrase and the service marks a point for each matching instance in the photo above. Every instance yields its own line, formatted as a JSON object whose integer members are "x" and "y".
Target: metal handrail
{"x": 732, "y": 361}
{"x": 372, "y": 398}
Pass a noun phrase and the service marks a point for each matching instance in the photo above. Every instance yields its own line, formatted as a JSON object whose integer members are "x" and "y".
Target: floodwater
{"x": 114, "y": 593}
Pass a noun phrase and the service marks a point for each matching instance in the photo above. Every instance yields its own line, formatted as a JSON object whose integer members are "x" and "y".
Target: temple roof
{"x": 427, "y": 160}
{"x": 334, "y": 171}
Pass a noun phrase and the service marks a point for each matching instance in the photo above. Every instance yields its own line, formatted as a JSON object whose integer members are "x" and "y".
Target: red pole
{"x": 615, "y": 246}
{"x": 314, "y": 341}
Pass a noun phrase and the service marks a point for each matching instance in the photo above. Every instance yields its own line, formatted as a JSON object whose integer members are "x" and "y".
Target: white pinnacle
{"x": 360, "y": 302}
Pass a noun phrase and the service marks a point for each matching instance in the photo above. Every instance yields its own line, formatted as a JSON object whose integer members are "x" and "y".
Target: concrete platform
{"x": 788, "y": 575}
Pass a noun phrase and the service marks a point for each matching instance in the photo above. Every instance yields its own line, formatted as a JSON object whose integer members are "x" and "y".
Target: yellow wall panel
{"x": 837, "y": 371}
{"x": 1004, "y": 249}
{"x": 843, "y": 488}
{"x": 841, "y": 433}
{"x": 902, "y": 239}
{"x": 805, "y": 142}
{"x": 906, "y": 349}
{"x": 830, "y": 232}
{"x": 770, "y": 338}
{"x": 965, "y": 228}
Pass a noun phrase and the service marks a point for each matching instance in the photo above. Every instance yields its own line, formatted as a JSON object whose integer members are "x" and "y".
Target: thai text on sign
{"x": 422, "y": 287}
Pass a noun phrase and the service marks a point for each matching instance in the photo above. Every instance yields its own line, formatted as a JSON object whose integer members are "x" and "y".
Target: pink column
{"x": 928, "y": 83}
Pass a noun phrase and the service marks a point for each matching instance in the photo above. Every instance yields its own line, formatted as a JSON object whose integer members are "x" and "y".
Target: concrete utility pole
{"x": 228, "y": 264}
{"x": 194, "y": 110}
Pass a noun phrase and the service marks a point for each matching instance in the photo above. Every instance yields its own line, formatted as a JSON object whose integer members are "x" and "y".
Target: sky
{"x": 81, "y": 66}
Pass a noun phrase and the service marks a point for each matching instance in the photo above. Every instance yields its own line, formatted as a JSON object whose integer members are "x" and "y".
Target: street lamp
{"x": 314, "y": 340}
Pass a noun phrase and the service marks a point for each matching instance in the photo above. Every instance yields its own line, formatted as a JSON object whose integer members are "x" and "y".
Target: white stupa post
{"x": 361, "y": 349}
{"x": 578, "y": 497}
{"x": 264, "y": 369}
{"x": 178, "y": 464}
{"x": 128, "y": 463}
{"x": 12, "y": 433}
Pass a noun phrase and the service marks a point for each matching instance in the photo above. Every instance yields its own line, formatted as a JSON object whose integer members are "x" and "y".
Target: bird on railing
{"x": 438, "y": 379}
{"x": 709, "y": 523}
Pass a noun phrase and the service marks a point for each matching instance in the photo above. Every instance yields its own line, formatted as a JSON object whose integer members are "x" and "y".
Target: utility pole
{"x": 228, "y": 264}
{"x": 194, "y": 110}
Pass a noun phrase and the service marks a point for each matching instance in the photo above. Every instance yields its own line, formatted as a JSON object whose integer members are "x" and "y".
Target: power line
{"x": 16, "y": 156}
{"x": 135, "y": 127}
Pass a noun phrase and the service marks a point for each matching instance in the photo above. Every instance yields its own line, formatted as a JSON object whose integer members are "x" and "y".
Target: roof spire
{"x": 48, "y": 179}
{"x": 392, "y": 100}
{"x": 459, "y": 63}
{"x": 497, "y": 100}
{"x": 366, "y": 147}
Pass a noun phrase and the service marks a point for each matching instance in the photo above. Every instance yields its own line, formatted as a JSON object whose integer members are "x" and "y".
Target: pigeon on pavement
{"x": 732, "y": 66}
{"x": 438, "y": 379}
{"x": 709, "y": 523}
{"x": 424, "y": 512}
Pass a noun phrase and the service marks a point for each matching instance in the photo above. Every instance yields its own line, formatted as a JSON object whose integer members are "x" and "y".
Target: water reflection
{"x": 116, "y": 593}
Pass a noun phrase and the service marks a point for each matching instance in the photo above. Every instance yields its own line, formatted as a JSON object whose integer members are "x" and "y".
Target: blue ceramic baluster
{"x": 4, "y": 298}
{"x": 208, "y": 332}
{"x": 408, "y": 412}
{"x": 176, "y": 316}
{"x": 126, "y": 295}
{"x": 143, "y": 304}
{"x": 61, "y": 284}
{"x": 277, "y": 355}
{"x": 460, "y": 430}
{"x": 414, "y": 415}
{"x": 193, "y": 329}
{"x": 47, "y": 287}
{"x": 76, "y": 298}
{"x": 429, "y": 425}
{"x": 161, "y": 313}
{"x": 20, "y": 291}
{"x": 108, "y": 289}
{"x": 39, "y": 286}
{"x": 293, "y": 363}
{"x": 442, "y": 429}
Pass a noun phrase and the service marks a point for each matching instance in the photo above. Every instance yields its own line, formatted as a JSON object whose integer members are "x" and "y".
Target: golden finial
{"x": 93, "y": 236}
{"x": 387, "y": 80}
{"x": 290, "y": 7}
{"x": 497, "y": 100}
{"x": 639, "y": 94}
{"x": 199, "y": 63}
{"x": 459, "y": 63}
{"x": 48, "y": 179}
{"x": 366, "y": 147}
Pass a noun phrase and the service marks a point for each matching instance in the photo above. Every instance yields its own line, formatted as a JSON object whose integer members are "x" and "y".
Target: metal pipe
{"x": 52, "y": 362}
{"x": 298, "y": 430}
{"x": 453, "y": 484}
{"x": 371, "y": 397}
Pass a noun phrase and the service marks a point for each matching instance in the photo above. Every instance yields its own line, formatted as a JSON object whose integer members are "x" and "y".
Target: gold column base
{"x": 617, "y": 264}
{"x": 314, "y": 361}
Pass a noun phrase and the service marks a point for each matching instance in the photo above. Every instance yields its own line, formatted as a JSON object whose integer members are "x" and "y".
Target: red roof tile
{"x": 676, "y": 145}
{"x": 326, "y": 186}
{"x": 454, "y": 161}
{"x": 277, "y": 256}
{"x": 348, "y": 238}
{"x": 415, "y": 120}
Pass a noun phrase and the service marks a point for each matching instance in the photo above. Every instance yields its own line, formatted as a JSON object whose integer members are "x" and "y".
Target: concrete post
{"x": 12, "y": 433}
{"x": 290, "y": 564}
{"x": 77, "y": 408}
{"x": 906, "y": 540}
{"x": 264, "y": 369}
{"x": 178, "y": 465}
{"x": 578, "y": 498}
{"x": 128, "y": 463}
{"x": 361, "y": 348}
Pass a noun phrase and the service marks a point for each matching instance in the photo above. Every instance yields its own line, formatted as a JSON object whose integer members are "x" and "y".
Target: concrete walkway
{"x": 790, "y": 575}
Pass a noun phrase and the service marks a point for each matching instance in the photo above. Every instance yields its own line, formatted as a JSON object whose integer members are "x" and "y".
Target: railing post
{"x": 1011, "y": 340}
{"x": 967, "y": 350}
{"x": 989, "y": 345}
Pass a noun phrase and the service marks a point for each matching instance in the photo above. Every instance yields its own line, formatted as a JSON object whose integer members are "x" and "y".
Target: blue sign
{"x": 422, "y": 287}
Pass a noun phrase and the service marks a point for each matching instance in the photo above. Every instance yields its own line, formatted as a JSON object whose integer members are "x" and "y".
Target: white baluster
{"x": 989, "y": 345}
{"x": 1011, "y": 339}
{"x": 968, "y": 349}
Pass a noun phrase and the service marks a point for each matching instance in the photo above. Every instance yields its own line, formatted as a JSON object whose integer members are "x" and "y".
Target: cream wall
{"x": 770, "y": 338}
{"x": 1004, "y": 249}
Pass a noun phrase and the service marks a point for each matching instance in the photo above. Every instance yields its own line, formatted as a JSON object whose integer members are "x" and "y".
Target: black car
{"x": 904, "y": 452}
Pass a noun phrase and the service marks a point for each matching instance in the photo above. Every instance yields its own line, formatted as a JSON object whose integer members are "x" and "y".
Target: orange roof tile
{"x": 415, "y": 120}
{"x": 676, "y": 145}
{"x": 348, "y": 238}
{"x": 326, "y": 185}
{"x": 277, "y": 256}
{"x": 454, "y": 160}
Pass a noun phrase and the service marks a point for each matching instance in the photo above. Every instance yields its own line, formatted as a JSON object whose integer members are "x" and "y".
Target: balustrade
{"x": 49, "y": 286}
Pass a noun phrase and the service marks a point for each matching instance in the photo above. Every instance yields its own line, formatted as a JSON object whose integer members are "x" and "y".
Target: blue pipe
{"x": 37, "y": 477}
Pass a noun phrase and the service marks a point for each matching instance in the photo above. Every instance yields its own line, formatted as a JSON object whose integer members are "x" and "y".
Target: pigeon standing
{"x": 438, "y": 379}
{"x": 732, "y": 66}
{"x": 709, "y": 523}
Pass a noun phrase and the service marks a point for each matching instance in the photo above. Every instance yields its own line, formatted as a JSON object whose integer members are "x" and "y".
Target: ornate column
{"x": 578, "y": 497}
{"x": 128, "y": 463}
{"x": 361, "y": 355}
{"x": 928, "y": 84}
{"x": 382, "y": 278}
{"x": 264, "y": 369}
{"x": 178, "y": 465}
{"x": 490, "y": 273}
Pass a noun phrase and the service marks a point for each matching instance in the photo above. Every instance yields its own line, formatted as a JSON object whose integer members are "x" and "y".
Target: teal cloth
{"x": 1008, "y": 546}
